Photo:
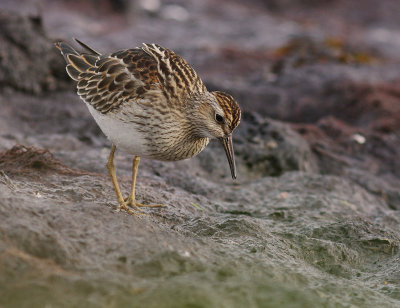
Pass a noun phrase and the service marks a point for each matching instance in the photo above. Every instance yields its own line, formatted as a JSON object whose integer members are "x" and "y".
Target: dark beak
{"x": 228, "y": 146}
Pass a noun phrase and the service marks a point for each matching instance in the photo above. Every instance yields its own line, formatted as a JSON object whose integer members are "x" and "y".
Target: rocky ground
{"x": 313, "y": 219}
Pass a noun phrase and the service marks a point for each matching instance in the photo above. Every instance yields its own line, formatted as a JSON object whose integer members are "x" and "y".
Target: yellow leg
{"x": 131, "y": 201}
{"x": 111, "y": 171}
{"x": 124, "y": 204}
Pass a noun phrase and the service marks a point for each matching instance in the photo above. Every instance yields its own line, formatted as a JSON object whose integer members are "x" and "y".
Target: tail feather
{"x": 72, "y": 72}
{"x": 77, "y": 62}
{"x": 91, "y": 50}
{"x": 90, "y": 59}
{"x": 66, "y": 49}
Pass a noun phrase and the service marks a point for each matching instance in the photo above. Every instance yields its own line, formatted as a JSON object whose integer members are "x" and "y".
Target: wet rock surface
{"x": 313, "y": 219}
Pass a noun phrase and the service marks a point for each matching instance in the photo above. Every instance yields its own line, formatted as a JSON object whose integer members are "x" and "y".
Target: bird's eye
{"x": 219, "y": 118}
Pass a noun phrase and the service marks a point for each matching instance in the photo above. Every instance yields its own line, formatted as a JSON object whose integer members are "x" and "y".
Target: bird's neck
{"x": 177, "y": 139}
{"x": 196, "y": 113}
{"x": 180, "y": 147}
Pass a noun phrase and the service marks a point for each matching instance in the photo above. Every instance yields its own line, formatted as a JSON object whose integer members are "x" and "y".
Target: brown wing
{"x": 120, "y": 77}
{"x": 176, "y": 76}
{"x": 106, "y": 82}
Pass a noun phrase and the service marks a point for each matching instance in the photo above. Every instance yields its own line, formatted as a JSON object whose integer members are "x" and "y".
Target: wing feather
{"x": 126, "y": 76}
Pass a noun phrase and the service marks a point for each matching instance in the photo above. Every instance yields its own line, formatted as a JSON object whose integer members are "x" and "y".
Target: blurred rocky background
{"x": 313, "y": 219}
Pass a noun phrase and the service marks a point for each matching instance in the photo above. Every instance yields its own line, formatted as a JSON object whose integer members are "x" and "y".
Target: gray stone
{"x": 311, "y": 221}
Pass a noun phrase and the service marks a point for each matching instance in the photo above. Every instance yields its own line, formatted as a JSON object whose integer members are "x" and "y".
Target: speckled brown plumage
{"x": 151, "y": 103}
{"x": 106, "y": 82}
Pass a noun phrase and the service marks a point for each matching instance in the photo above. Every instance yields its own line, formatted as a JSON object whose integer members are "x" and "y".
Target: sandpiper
{"x": 150, "y": 103}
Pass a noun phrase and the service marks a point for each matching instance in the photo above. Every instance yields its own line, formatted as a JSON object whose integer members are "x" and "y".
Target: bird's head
{"x": 217, "y": 117}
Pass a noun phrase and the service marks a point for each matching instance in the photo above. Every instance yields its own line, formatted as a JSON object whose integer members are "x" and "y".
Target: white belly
{"x": 124, "y": 136}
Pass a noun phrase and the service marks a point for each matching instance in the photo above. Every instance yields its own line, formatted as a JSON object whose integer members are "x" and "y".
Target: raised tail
{"x": 90, "y": 49}
{"x": 77, "y": 63}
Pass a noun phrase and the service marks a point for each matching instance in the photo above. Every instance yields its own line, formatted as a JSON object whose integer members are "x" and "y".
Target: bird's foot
{"x": 149, "y": 205}
{"x": 132, "y": 203}
{"x": 132, "y": 207}
{"x": 132, "y": 210}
